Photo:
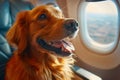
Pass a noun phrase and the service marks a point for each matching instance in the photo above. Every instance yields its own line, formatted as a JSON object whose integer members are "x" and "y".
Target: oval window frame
{"x": 88, "y": 42}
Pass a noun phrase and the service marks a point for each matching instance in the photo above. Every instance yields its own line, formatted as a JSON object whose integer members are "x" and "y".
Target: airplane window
{"x": 100, "y": 25}
{"x": 102, "y": 21}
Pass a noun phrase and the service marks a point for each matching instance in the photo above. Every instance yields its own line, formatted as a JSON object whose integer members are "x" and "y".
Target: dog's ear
{"x": 17, "y": 35}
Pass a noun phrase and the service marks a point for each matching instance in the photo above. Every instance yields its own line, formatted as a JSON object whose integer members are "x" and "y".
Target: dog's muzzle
{"x": 62, "y": 47}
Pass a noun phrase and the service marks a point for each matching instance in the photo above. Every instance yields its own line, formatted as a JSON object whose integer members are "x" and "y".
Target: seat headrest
{"x": 5, "y": 19}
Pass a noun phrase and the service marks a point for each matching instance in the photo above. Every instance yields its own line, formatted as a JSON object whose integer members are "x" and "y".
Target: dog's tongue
{"x": 65, "y": 46}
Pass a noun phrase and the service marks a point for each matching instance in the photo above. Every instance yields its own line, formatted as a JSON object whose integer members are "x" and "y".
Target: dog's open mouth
{"x": 61, "y": 47}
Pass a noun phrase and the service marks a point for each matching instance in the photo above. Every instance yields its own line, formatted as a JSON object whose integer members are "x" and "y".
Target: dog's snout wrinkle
{"x": 71, "y": 25}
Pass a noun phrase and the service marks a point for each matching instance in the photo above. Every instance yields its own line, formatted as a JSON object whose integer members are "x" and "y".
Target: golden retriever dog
{"x": 43, "y": 51}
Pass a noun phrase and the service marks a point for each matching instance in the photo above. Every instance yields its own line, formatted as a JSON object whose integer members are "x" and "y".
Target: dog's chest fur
{"x": 47, "y": 67}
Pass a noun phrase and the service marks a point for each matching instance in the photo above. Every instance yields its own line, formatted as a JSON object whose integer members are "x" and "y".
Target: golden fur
{"x": 30, "y": 61}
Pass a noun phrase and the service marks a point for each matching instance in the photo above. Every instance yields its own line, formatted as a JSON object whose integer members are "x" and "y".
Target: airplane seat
{"x": 8, "y": 11}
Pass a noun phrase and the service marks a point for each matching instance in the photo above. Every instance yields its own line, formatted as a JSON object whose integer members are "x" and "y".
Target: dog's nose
{"x": 71, "y": 25}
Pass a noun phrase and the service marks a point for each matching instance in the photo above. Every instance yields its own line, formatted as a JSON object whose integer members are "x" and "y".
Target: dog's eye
{"x": 42, "y": 16}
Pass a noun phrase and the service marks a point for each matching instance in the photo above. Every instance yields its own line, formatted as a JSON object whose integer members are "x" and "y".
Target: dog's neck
{"x": 48, "y": 65}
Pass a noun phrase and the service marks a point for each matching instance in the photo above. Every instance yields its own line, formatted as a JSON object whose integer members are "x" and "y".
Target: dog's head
{"x": 43, "y": 27}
